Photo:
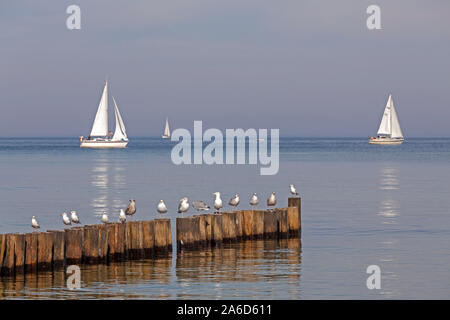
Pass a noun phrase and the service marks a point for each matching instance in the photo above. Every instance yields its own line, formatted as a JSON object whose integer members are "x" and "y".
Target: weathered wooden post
{"x": 103, "y": 237}
{"x": 216, "y": 229}
{"x": 282, "y": 223}
{"x": 258, "y": 224}
{"x": 185, "y": 236}
{"x": 297, "y": 202}
{"x": 229, "y": 226}
{"x": 14, "y": 256}
{"x": 239, "y": 225}
{"x": 58, "y": 248}
{"x": 90, "y": 244}
{"x": 136, "y": 240}
{"x": 2, "y": 251}
{"x": 163, "y": 236}
{"x": 293, "y": 222}
{"x": 44, "y": 251}
{"x": 247, "y": 224}
{"x": 270, "y": 224}
{"x": 116, "y": 241}
{"x": 73, "y": 241}
{"x": 148, "y": 230}
{"x": 30, "y": 252}
{"x": 201, "y": 227}
{"x": 208, "y": 228}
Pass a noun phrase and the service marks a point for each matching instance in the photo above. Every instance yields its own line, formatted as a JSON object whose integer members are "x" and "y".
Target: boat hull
{"x": 386, "y": 141}
{"x": 165, "y": 137}
{"x": 106, "y": 144}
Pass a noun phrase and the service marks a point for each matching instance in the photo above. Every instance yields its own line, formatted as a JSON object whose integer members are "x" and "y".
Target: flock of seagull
{"x": 183, "y": 207}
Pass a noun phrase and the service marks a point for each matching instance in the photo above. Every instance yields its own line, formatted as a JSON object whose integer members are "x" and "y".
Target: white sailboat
{"x": 166, "y": 133}
{"x": 99, "y": 136}
{"x": 389, "y": 132}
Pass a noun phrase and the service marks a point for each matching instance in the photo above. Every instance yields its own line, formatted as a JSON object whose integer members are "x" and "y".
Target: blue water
{"x": 362, "y": 205}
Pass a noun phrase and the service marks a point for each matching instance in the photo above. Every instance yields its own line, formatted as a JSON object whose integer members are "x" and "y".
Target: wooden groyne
{"x": 90, "y": 244}
{"x": 198, "y": 231}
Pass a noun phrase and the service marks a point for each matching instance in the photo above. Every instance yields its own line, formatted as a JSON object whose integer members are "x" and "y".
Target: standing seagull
{"x": 254, "y": 200}
{"x": 122, "y": 216}
{"x": 74, "y": 217}
{"x": 200, "y": 205}
{"x": 293, "y": 191}
{"x": 183, "y": 206}
{"x": 161, "y": 207}
{"x": 105, "y": 218}
{"x": 218, "y": 201}
{"x": 131, "y": 209}
{"x": 34, "y": 223}
{"x": 271, "y": 201}
{"x": 66, "y": 219}
{"x": 234, "y": 201}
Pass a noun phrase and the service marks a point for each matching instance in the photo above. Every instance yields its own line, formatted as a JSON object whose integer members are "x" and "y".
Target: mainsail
{"x": 166, "y": 129}
{"x": 100, "y": 126}
{"x": 120, "y": 133}
{"x": 389, "y": 125}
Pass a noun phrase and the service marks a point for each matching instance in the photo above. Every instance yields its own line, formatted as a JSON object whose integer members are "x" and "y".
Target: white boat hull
{"x": 386, "y": 141}
{"x": 165, "y": 137}
{"x": 103, "y": 144}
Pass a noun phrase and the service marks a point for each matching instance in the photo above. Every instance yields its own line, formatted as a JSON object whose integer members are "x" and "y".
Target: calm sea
{"x": 362, "y": 205}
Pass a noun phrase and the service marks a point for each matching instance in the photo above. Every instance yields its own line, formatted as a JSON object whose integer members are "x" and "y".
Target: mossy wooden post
{"x": 208, "y": 228}
{"x": 163, "y": 236}
{"x": 297, "y": 202}
{"x": 90, "y": 244}
{"x": 58, "y": 248}
{"x": 258, "y": 224}
{"x": 216, "y": 229}
{"x": 73, "y": 240}
{"x": 44, "y": 251}
{"x": 282, "y": 225}
{"x": 239, "y": 225}
{"x": 185, "y": 237}
{"x": 229, "y": 226}
{"x": 270, "y": 224}
{"x": 148, "y": 230}
{"x": 247, "y": 224}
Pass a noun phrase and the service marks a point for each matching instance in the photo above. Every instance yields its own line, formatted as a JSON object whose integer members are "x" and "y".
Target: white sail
{"x": 396, "y": 131}
{"x": 385, "y": 125}
{"x": 166, "y": 129}
{"x": 120, "y": 132}
{"x": 100, "y": 126}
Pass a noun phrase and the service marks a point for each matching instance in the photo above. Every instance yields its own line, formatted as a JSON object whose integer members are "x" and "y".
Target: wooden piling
{"x": 116, "y": 241}
{"x": 44, "y": 251}
{"x": 103, "y": 242}
{"x": 258, "y": 224}
{"x": 208, "y": 228}
{"x": 185, "y": 237}
{"x": 282, "y": 224}
{"x": 293, "y": 222}
{"x": 229, "y": 226}
{"x": 73, "y": 243}
{"x": 200, "y": 225}
{"x": 163, "y": 236}
{"x": 297, "y": 202}
{"x": 135, "y": 240}
{"x": 148, "y": 230}
{"x": 58, "y": 250}
{"x": 2, "y": 251}
{"x": 270, "y": 224}
{"x": 247, "y": 224}
{"x": 239, "y": 225}
{"x": 90, "y": 244}
{"x": 14, "y": 253}
{"x": 216, "y": 229}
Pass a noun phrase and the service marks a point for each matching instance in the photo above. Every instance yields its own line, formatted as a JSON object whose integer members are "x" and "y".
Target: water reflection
{"x": 389, "y": 183}
{"x": 262, "y": 269}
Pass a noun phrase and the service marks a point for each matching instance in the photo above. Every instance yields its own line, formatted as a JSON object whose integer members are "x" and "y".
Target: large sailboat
{"x": 166, "y": 133}
{"x": 100, "y": 137}
{"x": 389, "y": 132}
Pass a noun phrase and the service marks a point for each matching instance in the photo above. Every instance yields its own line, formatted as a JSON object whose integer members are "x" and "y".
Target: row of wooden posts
{"x": 94, "y": 244}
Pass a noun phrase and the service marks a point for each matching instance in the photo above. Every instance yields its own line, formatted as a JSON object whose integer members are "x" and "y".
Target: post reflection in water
{"x": 260, "y": 269}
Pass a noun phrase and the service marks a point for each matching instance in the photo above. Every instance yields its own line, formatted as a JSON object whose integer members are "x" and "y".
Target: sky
{"x": 308, "y": 68}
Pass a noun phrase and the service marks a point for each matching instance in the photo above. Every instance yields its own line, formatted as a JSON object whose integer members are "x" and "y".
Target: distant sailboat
{"x": 166, "y": 133}
{"x": 389, "y": 132}
{"x": 100, "y": 137}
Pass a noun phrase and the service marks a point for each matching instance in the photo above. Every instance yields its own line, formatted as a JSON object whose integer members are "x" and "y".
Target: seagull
{"x": 293, "y": 191}
{"x": 218, "y": 201}
{"x": 271, "y": 201}
{"x": 131, "y": 209}
{"x": 34, "y": 223}
{"x": 183, "y": 206}
{"x": 74, "y": 217}
{"x": 161, "y": 207}
{"x": 105, "y": 218}
{"x": 254, "y": 200}
{"x": 122, "y": 216}
{"x": 66, "y": 219}
{"x": 234, "y": 201}
{"x": 200, "y": 205}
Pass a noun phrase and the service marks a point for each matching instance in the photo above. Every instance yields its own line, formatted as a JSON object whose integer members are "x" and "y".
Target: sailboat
{"x": 99, "y": 136}
{"x": 389, "y": 132}
{"x": 166, "y": 133}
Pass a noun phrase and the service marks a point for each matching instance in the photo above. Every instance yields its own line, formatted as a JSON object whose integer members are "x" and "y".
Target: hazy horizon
{"x": 311, "y": 69}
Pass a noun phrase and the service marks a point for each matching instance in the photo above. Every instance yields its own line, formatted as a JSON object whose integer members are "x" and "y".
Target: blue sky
{"x": 309, "y": 68}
